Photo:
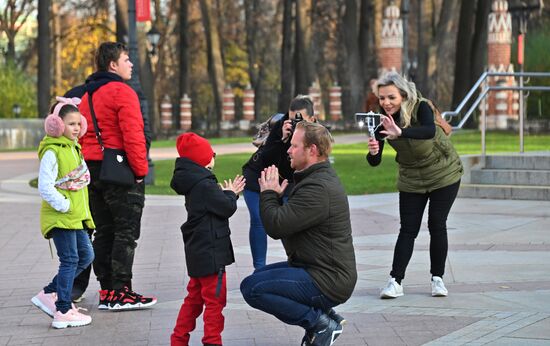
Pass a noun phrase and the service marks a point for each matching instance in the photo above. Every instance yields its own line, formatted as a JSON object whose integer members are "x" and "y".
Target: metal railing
{"x": 482, "y": 97}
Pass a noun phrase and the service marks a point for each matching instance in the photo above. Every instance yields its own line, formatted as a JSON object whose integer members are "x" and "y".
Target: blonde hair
{"x": 406, "y": 89}
{"x": 315, "y": 133}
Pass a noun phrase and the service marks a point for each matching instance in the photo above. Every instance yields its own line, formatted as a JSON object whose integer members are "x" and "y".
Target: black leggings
{"x": 411, "y": 209}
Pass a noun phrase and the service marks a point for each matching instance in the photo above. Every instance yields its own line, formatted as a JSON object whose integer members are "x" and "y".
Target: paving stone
{"x": 496, "y": 275}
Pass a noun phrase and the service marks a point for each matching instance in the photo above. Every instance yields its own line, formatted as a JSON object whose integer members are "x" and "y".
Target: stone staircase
{"x": 518, "y": 176}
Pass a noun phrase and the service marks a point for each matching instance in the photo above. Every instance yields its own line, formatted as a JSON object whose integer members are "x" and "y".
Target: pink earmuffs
{"x": 53, "y": 124}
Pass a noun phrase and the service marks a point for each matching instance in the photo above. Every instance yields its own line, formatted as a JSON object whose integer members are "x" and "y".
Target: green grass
{"x": 350, "y": 163}
{"x": 18, "y": 149}
{"x": 469, "y": 142}
{"x": 354, "y": 171}
{"x": 169, "y": 143}
{"x": 227, "y": 166}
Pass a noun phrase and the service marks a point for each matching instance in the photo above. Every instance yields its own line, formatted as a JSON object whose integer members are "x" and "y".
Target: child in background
{"x": 206, "y": 238}
{"x": 65, "y": 214}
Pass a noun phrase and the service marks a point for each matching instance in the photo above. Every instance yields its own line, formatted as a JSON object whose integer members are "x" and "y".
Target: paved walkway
{"x": 497, "y": 275}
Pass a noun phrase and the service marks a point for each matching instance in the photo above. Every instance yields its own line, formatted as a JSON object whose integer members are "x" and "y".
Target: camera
{"x": 371, "y": 120}
{"x": 297, "y": 118}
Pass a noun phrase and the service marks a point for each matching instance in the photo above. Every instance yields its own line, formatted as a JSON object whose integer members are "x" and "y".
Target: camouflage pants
{"x": 117, "y": 214}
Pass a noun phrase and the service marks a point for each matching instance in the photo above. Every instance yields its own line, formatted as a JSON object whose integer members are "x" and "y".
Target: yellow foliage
{"x": 80, "y": 39}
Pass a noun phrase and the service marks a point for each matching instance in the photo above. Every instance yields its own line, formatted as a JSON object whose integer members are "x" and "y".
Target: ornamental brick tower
{"x": 502, "y": 107}
{"x": 391, "y": 43}
{"x": 314, "y": 92}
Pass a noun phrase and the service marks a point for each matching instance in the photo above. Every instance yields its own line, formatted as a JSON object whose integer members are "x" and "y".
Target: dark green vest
{"x": 426, "y": 164}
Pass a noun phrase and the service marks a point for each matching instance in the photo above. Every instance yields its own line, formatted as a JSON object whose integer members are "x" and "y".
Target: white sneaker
{"x": 438, "y": 287}
{"x": 45, "y": 302}
{"x": 392, "y": 290}
{"x": 72, "y": 318}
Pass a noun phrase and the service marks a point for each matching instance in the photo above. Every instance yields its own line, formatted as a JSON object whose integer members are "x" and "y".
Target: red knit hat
{"x": 195, "y": 148}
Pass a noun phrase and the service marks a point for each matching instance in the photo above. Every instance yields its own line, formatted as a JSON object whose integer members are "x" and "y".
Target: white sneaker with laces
{"x": 45, "y": 302}
{"x": 438, "y": 287}
{"x": 72, "y": 318}
{"x": 392, "y": 290}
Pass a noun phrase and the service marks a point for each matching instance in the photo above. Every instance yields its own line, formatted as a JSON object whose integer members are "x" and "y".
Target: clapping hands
{"x": 269, "y": 180}
{"x": 236, "y": 185}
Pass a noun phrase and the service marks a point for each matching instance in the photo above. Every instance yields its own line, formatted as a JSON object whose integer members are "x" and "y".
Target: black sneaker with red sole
{"x": 125, "y": 299}
{"x": 105, "y": 297}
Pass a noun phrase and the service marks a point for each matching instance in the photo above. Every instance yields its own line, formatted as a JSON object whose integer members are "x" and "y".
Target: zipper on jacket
{"x": 86, "y": 205}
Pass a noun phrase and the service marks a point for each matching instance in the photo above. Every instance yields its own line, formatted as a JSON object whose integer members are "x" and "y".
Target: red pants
{"x": 202, "y": 292}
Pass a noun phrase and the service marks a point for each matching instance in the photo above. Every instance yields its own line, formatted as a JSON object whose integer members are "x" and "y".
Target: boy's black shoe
{"x": 306, "y": 340}
{"x": 325, "y": 331}
{"x": 336, "y": 317}
{"x": 125, "y": 299}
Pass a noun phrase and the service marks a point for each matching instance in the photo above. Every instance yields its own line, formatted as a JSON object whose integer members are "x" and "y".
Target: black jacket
{"x": 273, "y": 152}
{"x": 206, "y": 232}
{"x": 315, "y": 228}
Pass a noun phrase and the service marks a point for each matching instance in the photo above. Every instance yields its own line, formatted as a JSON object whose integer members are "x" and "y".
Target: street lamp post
{"x": 405, "y": 19}
{"x": 153, "y": 36}
{"x": 522, "y": 14}
{"x": 16, "y": 110}
{"x": 135, "y": 84}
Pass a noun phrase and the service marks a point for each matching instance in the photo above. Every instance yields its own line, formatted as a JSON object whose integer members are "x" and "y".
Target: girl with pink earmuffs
{"x": 65, "y": 215}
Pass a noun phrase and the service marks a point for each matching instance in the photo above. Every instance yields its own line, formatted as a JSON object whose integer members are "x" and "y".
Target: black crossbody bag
{"x": 114, "y": 168}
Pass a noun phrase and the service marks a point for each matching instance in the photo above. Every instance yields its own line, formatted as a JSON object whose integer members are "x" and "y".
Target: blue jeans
{"x": 288, "y": 293}
{"x": 257, "y": 235}
{"x": 75, "y": 253}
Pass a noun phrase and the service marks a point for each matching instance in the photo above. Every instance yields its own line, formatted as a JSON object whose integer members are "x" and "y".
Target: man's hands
{"x": 391, "y": 130}
{"x": 236, "y": 185}
{"x": 269, "y": 180}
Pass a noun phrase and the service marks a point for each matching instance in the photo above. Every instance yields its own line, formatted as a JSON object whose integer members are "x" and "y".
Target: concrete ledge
{"x": 20, "y": 133}
{"x": 514, "y": 192}
{"x": 519, "y": 161}
{"x": 511, "y": 177}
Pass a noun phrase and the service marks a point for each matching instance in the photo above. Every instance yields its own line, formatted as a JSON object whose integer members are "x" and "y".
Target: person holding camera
{"x": 429, "y": 170}
{"x": 272, "y": 152}
{"x": 315, "y": 229}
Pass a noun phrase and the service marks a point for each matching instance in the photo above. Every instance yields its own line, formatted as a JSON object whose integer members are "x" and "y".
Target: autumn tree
{"x": 367, "y": 46}
{"x": 262, "y": 47}
{"x": 44, "y": 57}
{"x": 287, "y": 68}
{"x": 351, "y": 69}
{"x": 213, "y": 52}
{"x": 463, "y": 50}
{"x": 12, "y": 18}
{"x": 441, "y": 53}
{"x": 304, "y": 69}
{"x": 471, "y": 44}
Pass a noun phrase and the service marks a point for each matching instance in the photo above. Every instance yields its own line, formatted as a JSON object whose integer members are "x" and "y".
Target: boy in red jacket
{"x": 206, "y": 238}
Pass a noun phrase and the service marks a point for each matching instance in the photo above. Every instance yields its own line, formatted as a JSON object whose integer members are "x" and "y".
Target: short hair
{"x": 302, "y": 102}
{"x": 406, "y": 89}
{"x": 107, "y": 52}
{"x": 315, "y": 133}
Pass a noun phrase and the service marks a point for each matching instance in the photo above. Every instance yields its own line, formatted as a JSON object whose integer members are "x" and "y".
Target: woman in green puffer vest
{"x": 429, "y": 170}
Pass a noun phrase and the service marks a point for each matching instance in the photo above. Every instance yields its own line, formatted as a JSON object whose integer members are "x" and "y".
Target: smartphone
{"x": 370, "y": 120}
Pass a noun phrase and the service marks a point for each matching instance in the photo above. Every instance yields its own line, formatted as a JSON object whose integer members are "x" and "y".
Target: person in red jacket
{"x": 116, "y": 209}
